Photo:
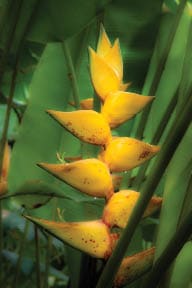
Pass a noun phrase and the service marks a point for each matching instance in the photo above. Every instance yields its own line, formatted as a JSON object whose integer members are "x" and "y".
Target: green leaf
{"x": 177, "y": 177}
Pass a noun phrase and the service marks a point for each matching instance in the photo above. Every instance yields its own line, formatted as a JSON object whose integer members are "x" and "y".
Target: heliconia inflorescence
{"x": 96, "y": 177}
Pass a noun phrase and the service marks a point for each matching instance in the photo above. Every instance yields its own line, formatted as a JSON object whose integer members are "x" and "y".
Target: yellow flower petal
{"x": 121, "y": 204}
{"x": 134, "y": 266}
{"x": 124, "y": 153}
{"x": 114, "y": 59}
{"x": 104, "y": 44}
{"x": 122, "y": 106}
{"x": 92, "y": 237}
{"x": 90, "y": 176}
{"x": 87, "y": 125}
{"x": 104, "y": 78}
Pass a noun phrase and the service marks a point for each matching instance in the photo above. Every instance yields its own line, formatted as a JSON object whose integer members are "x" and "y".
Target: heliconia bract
{"x": 90, "y": 176}
{"x": 124, "y": 153}
{"x": 120, "y": 206}
{"x": 87, "y": 125}
{"x": 91, "y": 237}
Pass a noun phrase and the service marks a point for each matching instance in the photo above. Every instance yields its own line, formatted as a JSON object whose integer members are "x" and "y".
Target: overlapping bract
{"x": 106, "y": 67}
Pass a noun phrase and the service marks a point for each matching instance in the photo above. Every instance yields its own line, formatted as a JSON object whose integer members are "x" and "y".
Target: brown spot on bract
{"x": 144, "y": 154}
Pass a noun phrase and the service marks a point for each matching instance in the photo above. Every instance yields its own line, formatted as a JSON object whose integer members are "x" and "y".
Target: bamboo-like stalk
{"x": 21, "y": 250}
{"x": 11, "y": 93}
{"x": 181, "y": 91}
{"x": 160, "y": 68}
{"x": 37, "y": 256}
{"x": 170, "y": 252}
{"x": 157, "y": 136}
{"x": 71, "y": 74}
{"x": 176, "y": 133}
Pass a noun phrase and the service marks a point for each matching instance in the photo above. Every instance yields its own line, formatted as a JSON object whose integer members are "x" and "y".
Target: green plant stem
{"x": 47, "y": 263}
{"x": 71, "y": 74}
{"x": 2, "y": 149}
{"x": 37, "y": 256}
{"x": 160, "y": 68}
{"x": 21, "y": 250}
{"x": 176, "y": 133}
{"x": 156, "y": 138}
{"x": 170, "y": 252}
{"x": 17, "y": 10}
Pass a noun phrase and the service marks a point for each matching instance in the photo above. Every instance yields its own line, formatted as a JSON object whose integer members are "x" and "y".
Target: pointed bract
{"x": 134, "y": 266}
{"x": 124, "y": 153}
{"x": 87, "y": 125}
{"x": 114, "y": 59}
{"x": 122, "y": 106}
{"x": 120, "y": 206}
{"x": 91, "y": 237}
{"x": 90, "y": 176}
{"x": 104, "y": 78}
{"x": 104, "y": 44}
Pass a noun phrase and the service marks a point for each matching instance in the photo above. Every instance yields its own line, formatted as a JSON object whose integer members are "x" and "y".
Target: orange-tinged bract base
{"x": 134, "y": 266}
{"x": 90, "y": 176}
{"x": 92, "y": 237}
{"x": 122, "y": 106}
{"x": 120, "y": 206}
{"x": 124, "y": 153}
{"x": 5, "y": 168}
{"x": 104, "y": 78}
{"x": 87, "y": 125}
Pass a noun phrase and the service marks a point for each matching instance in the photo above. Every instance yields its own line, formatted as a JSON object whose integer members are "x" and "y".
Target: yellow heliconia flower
{"x": 87, "y": 125}
{"x": 134, "y": 266}
{"x": 120, "y": 206}
{"x": 121, "y": 106}
{"x": 124, "y": 153}
{"x": 92, "y": 237}
{"x": 5, "y": 169}
{"x": 90, "y": 176}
